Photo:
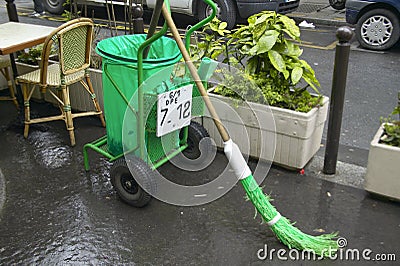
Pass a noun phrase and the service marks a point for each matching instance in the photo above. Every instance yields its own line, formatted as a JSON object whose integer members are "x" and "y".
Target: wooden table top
{"x": 15, "y": 36}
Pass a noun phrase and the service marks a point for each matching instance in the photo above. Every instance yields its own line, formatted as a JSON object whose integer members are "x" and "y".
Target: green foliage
{"x": 267, "y": 50}
{"x": 67, "y": 14}
{"x": 391, "y": 129}
{"x": 212, "y": 43}
{"x": 31, "y": 56}
{"x": 241, "y": 86}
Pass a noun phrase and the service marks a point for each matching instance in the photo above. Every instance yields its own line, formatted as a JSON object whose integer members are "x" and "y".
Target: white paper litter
{"x": 306, "y": 24}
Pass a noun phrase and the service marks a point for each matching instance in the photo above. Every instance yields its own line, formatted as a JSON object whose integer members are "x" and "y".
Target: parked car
{"x": 228, "y": 10}
{"x": 377, "y": 22}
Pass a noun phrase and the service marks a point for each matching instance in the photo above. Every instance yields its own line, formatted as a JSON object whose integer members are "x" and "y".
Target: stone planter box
{"x": 80, "y": 100}
{"x": 286, "y": 137}
{"x": 383, "y": 169}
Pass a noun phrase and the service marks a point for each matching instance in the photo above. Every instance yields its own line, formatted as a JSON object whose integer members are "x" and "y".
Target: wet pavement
{"x": 56, "y": 213}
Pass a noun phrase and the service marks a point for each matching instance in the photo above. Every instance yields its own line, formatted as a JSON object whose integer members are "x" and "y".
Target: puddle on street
{"x": 48, "y": 151}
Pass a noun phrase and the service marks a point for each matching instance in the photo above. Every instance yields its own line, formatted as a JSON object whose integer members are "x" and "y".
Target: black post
{"x": 344, "y": 35}
{"x": 13, "y": 16}
{"x": 12, "y": 11}
{"x": 138, "y": 24}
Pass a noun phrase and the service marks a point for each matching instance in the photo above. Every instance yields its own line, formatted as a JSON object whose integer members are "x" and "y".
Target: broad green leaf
{"x": 307, "y": 67}
{"x": 289, "y": 47}
{"x": 222, "y": 32}
{"x": 261, "y": 19}
{"x": 209, "y": 38}
{"x": 297, "y": 52}
{"x": 311, "y": 80}
{"x": 202, "y": 45}
{"x": 292, "y": 37}
{"x": 259, "y": 31}
{"x": 297, "y": 72}
{"x": 277, "y": 27}
{"x": 293, "y": 49}
{"x": 223, "y": 25}
{"x": 267, "y": 41}
{"x": 276, "y": 60}
{"x": 251, "y": 66}
{"x": 214, "y": 27}
{"x": 280, "y": 48}
{"x": 290, "y": 25}
{"x": 253, "y": 50}
{"x": 251, "y": 20}
{"x": 286, "y": 74}
{"x": 215, "y": 54}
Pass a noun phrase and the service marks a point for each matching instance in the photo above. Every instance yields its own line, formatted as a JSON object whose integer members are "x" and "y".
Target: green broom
{"x": 322, "y": 245}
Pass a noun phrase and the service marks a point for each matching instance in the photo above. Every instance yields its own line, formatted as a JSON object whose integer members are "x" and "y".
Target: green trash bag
{"x": 120, "y": 76}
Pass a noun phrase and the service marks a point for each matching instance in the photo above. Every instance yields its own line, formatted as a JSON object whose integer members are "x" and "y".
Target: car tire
{"x": 371, "y": 27}
{"x": 54, "y": 6}
{"x": 337, "y": 4}
{"x": 226, "y": 11}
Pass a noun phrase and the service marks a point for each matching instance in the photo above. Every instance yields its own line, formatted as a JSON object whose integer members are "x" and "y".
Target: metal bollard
{"x": 12, "y": 11}
{"x": 344, "y": 35}
{"x": 137, "y": 14}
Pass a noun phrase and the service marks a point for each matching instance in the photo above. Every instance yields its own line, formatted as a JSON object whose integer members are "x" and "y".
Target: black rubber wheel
{"x": 54, "y": 6}
{"x": 196, "y": 133}
{"x": 226, "y": 11}
{"x": 378, "y": 29}
{"x": 127, "y": 185}
{"x": 337, "y": 4}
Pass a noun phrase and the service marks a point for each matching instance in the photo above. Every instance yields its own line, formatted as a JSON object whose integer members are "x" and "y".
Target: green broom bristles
{"x": 289, "y": 235}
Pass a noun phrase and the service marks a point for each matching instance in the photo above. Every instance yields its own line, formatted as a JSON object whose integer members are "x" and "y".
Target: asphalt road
{"x": 372, "y": 83}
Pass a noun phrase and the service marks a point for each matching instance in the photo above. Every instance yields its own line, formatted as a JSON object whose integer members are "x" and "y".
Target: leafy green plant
{"x": 31, "y": 56}
{"x": 267, "y": 50}
{"x": 212, "y": 43}
{"x": 68, "y": 14}
{"x": 391, "y": 128}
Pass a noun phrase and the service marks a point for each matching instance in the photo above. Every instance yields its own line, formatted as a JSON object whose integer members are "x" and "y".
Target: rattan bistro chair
{"x": 5, "y": 64}
{"x": 74, "y": 40}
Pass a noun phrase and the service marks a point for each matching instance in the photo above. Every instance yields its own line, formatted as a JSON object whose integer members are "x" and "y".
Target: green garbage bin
{"x": 120, "y": 76}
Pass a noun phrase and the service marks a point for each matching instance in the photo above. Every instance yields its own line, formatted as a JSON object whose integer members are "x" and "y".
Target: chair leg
{"x": 27, "y": 109}
{"x": 95, "y": 102}
{"x": 68, "y": 116}
{"x": 10, "y": 86}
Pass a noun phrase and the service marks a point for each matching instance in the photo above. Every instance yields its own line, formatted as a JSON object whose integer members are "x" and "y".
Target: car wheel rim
{"x": 376, "y": 30}
{"x": 209, "y": 11}
{"x": 54, "y": 3}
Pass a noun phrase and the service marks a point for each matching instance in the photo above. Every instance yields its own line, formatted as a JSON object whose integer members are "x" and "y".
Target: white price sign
{"x": 174, "y": 110}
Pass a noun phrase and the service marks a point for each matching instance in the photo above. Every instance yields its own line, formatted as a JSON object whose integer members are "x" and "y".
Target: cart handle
{"x": 201, "y": 23}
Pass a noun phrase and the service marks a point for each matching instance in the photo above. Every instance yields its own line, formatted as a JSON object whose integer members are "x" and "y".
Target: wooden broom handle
{"x": 193, "y": 71}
